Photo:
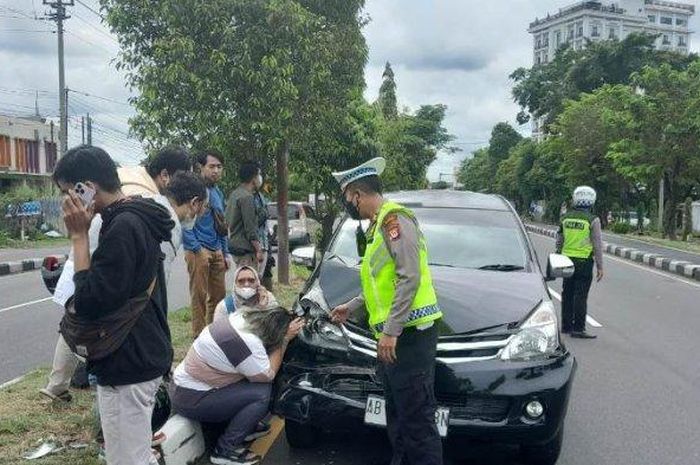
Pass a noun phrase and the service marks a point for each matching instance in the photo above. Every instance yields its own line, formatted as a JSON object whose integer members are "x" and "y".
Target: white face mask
{"x": 245, "y": 292}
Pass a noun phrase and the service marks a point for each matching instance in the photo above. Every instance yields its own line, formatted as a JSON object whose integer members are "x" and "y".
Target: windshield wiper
{"x": 501, "y": 267}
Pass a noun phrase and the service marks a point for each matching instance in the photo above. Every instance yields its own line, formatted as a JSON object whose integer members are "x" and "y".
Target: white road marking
{"x": 589, "y": 319}
{"x": 643, "y": 268}
{"x": 26, "y": 304}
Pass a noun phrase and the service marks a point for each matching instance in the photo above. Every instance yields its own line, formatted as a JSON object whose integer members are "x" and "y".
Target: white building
{"x": 610, "y": 20}
{"x": 596, "y": 20}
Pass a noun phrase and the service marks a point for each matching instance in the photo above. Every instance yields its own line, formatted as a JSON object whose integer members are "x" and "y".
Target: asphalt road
{"x": 11, "y": 255}
{"x": 635, "y": 399}
{"x": 29, "y": 319}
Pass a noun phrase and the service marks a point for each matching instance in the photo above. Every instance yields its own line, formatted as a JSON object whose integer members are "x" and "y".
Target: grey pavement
{"x": 11, "y": 255}
{"x": 634, "y": 400}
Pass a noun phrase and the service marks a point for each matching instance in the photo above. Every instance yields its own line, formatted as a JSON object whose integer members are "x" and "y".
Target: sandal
{"x": 65, "y": 396}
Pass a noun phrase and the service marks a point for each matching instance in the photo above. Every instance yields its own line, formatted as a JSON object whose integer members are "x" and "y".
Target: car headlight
{"x": 314, "y": 305}
{"x": 537, "y": 337}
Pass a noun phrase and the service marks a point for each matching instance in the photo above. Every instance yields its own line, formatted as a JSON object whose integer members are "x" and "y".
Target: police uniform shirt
{"x": 401, "y": 235}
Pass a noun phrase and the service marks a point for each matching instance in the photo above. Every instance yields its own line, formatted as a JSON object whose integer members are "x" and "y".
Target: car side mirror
{"x": 305, "y": 256}
{"x": 559, "y": 266}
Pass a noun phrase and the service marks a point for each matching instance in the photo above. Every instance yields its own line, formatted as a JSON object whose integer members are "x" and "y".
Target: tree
{"x": 474, "y": 173}
{"x": 410, "y": 144}
{"x": 503, "y": 139}
{"x": 250, "y": 78}
{"x": 586, "y": 129}
{"x": 663, "y": 134}
{"x": 542, "y": 90}
{"x": 387, "y": 94}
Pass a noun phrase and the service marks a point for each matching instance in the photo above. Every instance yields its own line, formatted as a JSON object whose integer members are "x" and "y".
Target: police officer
{"x": 398, "y": 293}
{"x": 580, "y": 239}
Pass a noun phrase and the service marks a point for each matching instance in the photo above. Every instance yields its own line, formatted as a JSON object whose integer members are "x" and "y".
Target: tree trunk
{"x": 670, "y": 207}
{"x": 283, "y": 220}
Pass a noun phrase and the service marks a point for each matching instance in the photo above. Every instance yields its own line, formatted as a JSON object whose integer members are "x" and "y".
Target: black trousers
{"x": 574, "y": 298}
{"x": 410, "y": 399}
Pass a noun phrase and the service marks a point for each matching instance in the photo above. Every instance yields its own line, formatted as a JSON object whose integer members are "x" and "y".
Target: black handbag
{"x": 96, "y": 339}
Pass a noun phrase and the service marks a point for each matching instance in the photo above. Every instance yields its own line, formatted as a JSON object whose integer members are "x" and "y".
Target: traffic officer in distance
{"x": 580, "y": 239}
{"x": 397, "y": 291}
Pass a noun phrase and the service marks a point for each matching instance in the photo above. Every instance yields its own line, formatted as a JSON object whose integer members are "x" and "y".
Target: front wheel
{"x": 300, "y": 436}
{"x": 543, "y": 454}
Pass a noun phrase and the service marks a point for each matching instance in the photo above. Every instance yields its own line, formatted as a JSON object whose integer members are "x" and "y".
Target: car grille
{"x": 462, "y": 407}
{"x": 450, "y": 349}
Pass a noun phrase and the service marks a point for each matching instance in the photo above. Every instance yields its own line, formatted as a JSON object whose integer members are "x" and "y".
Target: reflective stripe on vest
{"x": 576, "y": 228}
{"x": 378, "y": 276}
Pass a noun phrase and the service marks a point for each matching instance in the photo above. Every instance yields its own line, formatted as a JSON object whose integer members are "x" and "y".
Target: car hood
{"x": 470, "y": 299}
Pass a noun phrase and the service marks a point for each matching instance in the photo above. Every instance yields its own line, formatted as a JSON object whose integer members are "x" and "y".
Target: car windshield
{"x": 293, "y": 211}
{"x": 460, "y": 238}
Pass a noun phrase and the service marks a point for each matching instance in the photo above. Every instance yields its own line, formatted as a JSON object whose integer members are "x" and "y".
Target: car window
{"x": 293, "y": 211}
{"x": 456, "y": 237}
{"x": 309, "y": 212}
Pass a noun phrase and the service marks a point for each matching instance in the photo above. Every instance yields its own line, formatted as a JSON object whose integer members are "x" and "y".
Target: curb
{"x": 652, "y": 260}
{"x": 31, "y": 264}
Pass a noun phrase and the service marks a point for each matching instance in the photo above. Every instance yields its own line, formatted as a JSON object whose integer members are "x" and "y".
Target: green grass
{"x": 27, "y": 418}
{"x": 34, "y": 244}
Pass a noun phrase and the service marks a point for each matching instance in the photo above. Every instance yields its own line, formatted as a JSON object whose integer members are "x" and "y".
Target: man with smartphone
{"x": 151, "y": 181}
{"x": 126, "y": 264}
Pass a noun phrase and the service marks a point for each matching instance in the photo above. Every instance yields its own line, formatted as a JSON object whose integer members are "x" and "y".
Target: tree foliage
{"x": 387, "y": 94}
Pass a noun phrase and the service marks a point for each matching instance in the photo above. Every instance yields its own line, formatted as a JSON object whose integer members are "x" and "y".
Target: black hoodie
{"x": 125, "y": 262}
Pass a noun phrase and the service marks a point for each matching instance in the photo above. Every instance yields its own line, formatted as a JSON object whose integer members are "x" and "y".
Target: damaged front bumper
{"x": 486, "y": 399}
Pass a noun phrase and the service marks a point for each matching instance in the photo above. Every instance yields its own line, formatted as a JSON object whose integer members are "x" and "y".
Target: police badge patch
{"x": 392, "y": 227}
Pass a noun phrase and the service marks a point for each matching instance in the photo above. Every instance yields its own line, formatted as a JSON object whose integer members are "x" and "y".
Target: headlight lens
{"x": 538, "y": 335}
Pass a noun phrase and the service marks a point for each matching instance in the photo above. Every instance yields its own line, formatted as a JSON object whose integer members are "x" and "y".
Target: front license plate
{"x": 375, "y": 414}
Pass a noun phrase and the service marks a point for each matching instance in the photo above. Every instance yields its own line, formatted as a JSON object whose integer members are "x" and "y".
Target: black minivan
{"x": 502, "y": 375}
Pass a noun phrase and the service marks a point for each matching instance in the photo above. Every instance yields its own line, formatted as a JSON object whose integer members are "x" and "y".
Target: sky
{"x": 455, "y": 52}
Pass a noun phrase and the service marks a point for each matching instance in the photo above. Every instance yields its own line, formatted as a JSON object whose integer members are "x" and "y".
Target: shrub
{"x": 621, "y": 228}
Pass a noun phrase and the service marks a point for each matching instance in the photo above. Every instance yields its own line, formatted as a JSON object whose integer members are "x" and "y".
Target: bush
{"x": 621, "y": 228}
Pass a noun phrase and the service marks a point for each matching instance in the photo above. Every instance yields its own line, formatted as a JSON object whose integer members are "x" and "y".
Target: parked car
{"x": 302, "y": 223}
{"x": 502, "y": 375}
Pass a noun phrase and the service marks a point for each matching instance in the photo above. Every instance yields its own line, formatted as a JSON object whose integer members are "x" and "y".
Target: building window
{"x": 681, "y": 41}
{"x": 546, "y": 39}
{"x": 538, "y": 59}
{"x": 612, "y": 34}
{"x": 666, "y": 20}
{"x": 594, "y": 31}
{"x": 557, "y": 39}
{"x": 681, "y": 22}
{"x": 666, "y": 40}
{"x": 579, "y": 30}
{"x": 538, "y": 40}
{"x": 546, "y": 58}
{"x": 652, "y": 18}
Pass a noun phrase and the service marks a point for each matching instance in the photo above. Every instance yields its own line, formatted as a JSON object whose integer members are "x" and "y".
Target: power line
{"x": 105, "y": 34}
{"x": 90, "y": 9}
{"x": 99, "y": 97}
{"x": 88, "y": 42}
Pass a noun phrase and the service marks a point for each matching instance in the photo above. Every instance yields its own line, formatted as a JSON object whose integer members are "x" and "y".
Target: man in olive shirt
{"x": 242, "y": 217}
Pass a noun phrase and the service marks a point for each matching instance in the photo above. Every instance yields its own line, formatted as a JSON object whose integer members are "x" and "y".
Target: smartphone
{"x": 85, "y": 193}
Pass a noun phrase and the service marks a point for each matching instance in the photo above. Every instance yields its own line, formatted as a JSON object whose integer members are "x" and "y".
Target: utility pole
{"x": 59, "y": 15}
{"x": 82, "y": 127}
{"x": 89, "y": 130}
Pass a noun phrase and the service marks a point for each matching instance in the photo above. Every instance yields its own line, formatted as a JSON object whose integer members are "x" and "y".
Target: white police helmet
{"x": 584, "y": 197}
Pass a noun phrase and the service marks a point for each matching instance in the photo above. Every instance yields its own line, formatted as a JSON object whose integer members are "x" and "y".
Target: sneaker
{"x": 583, "y": 335}
{"x": 261, "y": 429}
{"x": 65, "y": 396}
{"x": 240, "y": 456}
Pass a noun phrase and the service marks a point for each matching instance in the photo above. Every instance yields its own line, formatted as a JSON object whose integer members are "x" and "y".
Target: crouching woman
{"x": 227, "y": 376}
